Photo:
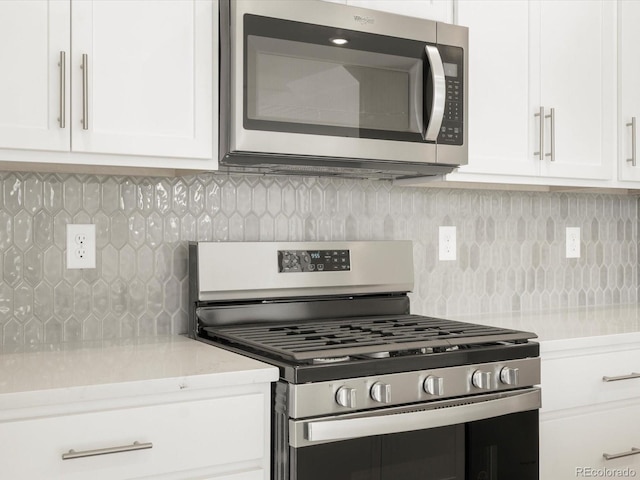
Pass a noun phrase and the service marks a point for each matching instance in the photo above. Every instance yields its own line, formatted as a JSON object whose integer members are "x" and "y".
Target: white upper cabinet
{"x": 500, "y": 124}
{"x": 577, "y": 80}
{"x": 628, "y": 87}
{"x": 147, "y": 88}
{"x": 34, "y": 87}
{"x": 136, "y": 80}
{"x": 523, "y": 56}
{"x": 440, "y": 10}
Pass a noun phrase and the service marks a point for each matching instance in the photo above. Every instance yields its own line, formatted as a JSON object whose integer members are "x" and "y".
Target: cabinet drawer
{"x": 579, "y": 442}
{"x": 186, "y": 435}
{"x": 578, "y": 381}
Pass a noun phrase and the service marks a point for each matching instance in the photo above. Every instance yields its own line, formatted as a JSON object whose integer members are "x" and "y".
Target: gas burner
{"x": 324, "y": 361}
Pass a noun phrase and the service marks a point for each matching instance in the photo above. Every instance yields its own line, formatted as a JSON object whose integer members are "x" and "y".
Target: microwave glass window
{"x": 326, "y": 85}
{"x": 298, "y": 79}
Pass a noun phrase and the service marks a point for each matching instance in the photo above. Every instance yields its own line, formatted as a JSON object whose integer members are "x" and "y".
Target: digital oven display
{"x": 293, "y": 261}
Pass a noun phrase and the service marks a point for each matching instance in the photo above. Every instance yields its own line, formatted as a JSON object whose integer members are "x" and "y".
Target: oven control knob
{"x": 346, "y": 397}
{"x": 434, "y": 385}
{"x": 481, "y": 380}
{"x": 509, "y": 376}
{"x": 381, "y": 392}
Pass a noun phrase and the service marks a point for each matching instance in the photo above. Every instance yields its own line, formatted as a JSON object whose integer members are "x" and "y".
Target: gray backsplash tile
{"x": 510, "y": 245}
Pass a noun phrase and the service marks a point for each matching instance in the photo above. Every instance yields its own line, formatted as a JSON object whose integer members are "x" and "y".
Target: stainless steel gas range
{"x": 367, "y": 390}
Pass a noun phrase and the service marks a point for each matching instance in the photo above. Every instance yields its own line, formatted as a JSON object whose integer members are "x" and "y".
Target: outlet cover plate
{"x": 81, "y": 246}
{"x": 573, "y": 242}
{"x": 447, "y": 243}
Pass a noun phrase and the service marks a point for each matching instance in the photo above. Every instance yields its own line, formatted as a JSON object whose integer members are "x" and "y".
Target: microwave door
{"x": 296, "y": 94}
{"x": 435, "y": 94}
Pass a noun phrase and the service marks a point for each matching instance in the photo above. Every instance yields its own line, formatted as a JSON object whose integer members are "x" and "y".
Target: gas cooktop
{"x": 377, "y": 337}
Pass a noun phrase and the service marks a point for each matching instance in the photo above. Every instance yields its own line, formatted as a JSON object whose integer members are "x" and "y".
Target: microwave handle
{"x": 439, "y": 93}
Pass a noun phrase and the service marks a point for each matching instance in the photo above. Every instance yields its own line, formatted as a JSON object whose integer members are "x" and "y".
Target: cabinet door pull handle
{"x": 552, "y": 116}
{"x": 633, "y": 141}
{"x": 613, "y": 456}
{"x": 85, "y": 91}
{"x": 540, "y": 151}
{"x": 621, "y": 377}
{"x": 71, "y": 454}
{"x": 63, "y": 89}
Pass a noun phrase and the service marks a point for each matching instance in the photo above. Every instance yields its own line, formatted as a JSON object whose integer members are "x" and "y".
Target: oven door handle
{"x": 405, "y": 419}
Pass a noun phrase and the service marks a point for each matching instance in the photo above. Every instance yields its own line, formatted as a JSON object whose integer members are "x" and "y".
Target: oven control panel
{"x": 403, "y": 388}
{"x": 294, "y": 261}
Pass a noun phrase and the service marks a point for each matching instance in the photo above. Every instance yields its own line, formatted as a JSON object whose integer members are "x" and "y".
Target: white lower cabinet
{"x": 590, "y": 410}
{"x": 574, "y": 446}
{"x": 211, "y": 438}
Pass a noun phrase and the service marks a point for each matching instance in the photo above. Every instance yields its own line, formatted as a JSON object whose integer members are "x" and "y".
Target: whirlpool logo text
{"x": 364, "y": 20}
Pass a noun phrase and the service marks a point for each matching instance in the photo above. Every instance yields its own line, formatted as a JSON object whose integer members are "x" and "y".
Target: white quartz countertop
{"x": 571, "y": 327}
{"x": 71, "y": 372}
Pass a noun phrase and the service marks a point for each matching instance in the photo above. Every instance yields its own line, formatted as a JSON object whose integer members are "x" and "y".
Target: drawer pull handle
{"x": 613, "y": 456}
{"x": 71, "y": 454}
{"x": 621, "y": 377}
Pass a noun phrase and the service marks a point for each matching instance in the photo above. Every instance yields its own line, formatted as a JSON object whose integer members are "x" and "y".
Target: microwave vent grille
{"x": 313, "y": 170}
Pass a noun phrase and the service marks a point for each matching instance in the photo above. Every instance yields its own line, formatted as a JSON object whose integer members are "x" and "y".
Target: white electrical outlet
{"x": 81, "y": 246}
{"x": 573, "y": 242}
{"x": 447, "y": 243}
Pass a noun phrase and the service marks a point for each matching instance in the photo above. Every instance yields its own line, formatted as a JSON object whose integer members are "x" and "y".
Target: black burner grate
{"x": 359, "y": 336}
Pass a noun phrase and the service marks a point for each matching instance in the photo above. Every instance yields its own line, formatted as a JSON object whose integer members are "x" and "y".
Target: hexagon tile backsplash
{"x": 510, "y": 245}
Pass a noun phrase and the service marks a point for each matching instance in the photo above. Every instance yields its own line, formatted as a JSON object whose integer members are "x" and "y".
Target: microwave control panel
{"x": 451, "y": 132}
{"x": 292, "y": 261}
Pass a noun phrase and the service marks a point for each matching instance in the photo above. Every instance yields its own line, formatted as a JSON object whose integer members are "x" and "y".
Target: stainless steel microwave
{"x": 319, "y": 88}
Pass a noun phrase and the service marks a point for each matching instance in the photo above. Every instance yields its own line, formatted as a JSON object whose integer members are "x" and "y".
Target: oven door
{"x": 365, "y": 83}
{"x": 485, "y": 437}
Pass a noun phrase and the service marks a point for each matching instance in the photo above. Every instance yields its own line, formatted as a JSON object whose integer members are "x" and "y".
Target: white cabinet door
{"x": 440, "y": 10}
{"x": 529, "y": 56}
{"x": 32, "y": 35}
{"x": 629, "y": 85}
{"x": 577, "y": 63}
{"x": 149, "y": 81}
{"x": 578, "y": 380}
{"x": 501, "y": 120}
{"x": 573, "y": 447}
{"x": 179, "y": 437}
